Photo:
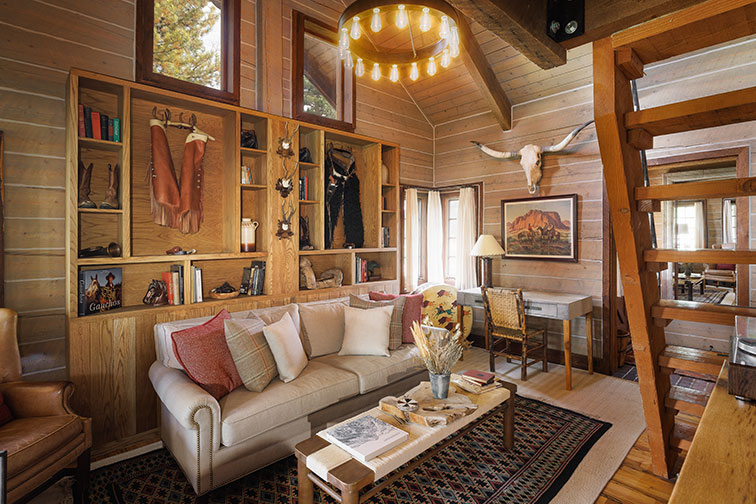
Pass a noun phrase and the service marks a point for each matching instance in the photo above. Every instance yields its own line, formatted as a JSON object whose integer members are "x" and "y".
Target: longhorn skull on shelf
{"x": 284, "y": 143}
{"x": 531, "y": 155}
{"x": 284, "y": 223}
{"x": 285, "y": 184}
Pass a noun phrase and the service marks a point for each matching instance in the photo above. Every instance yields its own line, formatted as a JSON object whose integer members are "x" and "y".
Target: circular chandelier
{"x": 419, "y": 20}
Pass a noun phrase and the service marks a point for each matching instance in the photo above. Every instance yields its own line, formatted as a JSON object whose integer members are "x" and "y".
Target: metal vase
{"x": 439, "y": 385}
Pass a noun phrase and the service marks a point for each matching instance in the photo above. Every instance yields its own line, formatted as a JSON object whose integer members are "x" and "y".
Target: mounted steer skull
{"x": 531, "y": 157}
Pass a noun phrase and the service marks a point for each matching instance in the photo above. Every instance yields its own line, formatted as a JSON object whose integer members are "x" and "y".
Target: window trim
{"x": 446, "y": 198}
{"x": 327, "y": 33}
{"x": 230, "y": 55}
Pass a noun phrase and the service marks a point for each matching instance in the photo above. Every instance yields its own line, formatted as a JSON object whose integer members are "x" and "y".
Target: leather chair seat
{"x": 30, "y": 440}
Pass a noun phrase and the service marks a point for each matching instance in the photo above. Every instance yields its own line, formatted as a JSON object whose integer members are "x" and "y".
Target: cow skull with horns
{"x": 530, "y": 157}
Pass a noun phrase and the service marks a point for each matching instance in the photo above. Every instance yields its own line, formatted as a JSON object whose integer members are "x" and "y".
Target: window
{"x": 450, "y": 242}
{"x": 690, "y": 225}
{"x": 419, "y": 239}
{"x": 323, "y": 91}
{"x": 191, "y": 46}
{"x": 729, "y": 221}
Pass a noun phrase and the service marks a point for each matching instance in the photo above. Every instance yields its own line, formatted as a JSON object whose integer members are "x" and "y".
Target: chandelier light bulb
{"x": 359, "y": 68}
{"x": 443, "y": 32}
{"x": 454, "y": 42}
{"x": 348, "y": 61}
{"x": 375, "y": 74}
{"x": 356, "y": 30}
{"x": 414, "y": 73}
{"x": 401, "y": 17}
{"x": 432, "y": 66}
{"x": 425, "y": 20}
{"x": 375, "y": 21}
{"x": 394, "y": 75}
{"x": 445, "y": 58}
{"x": 344, "y": 39}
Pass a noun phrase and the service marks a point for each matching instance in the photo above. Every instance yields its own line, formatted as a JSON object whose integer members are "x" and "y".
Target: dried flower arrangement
{"x": 438, "y": 353}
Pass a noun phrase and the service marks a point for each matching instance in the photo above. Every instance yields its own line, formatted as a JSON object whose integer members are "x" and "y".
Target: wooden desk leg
{"x": 304, "y": 483}
{"x": 589, "y": 340}
{"x": 567, "y": 352}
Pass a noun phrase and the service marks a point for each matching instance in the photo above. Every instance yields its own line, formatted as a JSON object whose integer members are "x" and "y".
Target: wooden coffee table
{"x": 348, "y": 477}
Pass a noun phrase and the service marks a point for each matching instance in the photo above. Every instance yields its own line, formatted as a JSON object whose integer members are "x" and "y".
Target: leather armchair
{"x": 45, "y": 439}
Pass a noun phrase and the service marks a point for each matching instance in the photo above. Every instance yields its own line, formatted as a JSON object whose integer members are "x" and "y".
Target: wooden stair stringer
{"x": 622, "y": 174}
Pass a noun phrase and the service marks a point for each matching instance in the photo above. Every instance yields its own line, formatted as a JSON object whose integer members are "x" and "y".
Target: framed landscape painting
{"x": 540, "y": 228}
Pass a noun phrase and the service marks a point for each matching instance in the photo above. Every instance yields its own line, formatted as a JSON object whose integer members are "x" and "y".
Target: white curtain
{"x": 700, "y": 241}
{"x": 411, "y": 242}
{"x": 727, "y": 223}
{"x": 435, "y": 238}
{"x": 466, "y": 230}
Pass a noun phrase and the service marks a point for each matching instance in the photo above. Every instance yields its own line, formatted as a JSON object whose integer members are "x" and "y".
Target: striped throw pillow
{"x": 252, "y": 356}
{"x": 395, "y": 330}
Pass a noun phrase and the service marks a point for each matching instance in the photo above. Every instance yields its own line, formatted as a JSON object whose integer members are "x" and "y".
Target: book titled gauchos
{"x": 99, "y": 290}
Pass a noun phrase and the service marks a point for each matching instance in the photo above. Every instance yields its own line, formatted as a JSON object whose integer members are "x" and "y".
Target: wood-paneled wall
{"x": 39, "y": 42}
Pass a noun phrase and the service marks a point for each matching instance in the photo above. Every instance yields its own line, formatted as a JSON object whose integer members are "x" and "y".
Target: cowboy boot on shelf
{"x": 111, "y": 194}
{"x": 85, "y": 178}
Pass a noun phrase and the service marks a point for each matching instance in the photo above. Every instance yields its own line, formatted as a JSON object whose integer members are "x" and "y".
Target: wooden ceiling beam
{"x": 480, "y": 70}
{"x": 521, "y": 24}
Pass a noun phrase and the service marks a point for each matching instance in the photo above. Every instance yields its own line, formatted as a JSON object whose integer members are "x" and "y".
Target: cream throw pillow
{"x": 284, "y": 342}
{"x": 366, "y": 332}
{"x": 252, "y": 356}
{"x": 395, "y": 330}
{"x": 322, "y": 327}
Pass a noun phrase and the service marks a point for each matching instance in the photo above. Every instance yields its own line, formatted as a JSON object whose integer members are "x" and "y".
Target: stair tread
{"x": 687, "y": 400}
{"x": 691, "y": 359}
{"x": 743, "y": 186}
{"x": 691, "y": 311}
{"x": 707, "y": 112}
{"x": 700, "y": 256}
{"x": 682, "y": 435}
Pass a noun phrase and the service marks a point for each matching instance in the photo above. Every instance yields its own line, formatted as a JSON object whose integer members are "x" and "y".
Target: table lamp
{"x": 487, "y": 247}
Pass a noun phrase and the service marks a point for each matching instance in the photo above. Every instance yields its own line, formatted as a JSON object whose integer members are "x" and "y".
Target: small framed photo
{"x": 540, "y": 228}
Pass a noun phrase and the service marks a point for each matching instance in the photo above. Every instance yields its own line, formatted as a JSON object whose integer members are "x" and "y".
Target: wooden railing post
{"x": 622, "y": 174}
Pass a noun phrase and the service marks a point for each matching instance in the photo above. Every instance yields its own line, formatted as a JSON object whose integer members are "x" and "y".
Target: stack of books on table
{"x": 476, "y": 382}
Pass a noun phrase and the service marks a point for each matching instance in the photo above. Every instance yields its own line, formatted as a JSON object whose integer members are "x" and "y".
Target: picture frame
{"x": 543, "y": 228}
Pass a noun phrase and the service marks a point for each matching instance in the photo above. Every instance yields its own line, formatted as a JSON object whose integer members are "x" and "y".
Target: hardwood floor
{"x": 634, "y": 483}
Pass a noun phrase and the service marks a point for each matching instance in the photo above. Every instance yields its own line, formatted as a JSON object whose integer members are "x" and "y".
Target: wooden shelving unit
{"x": 109, "y": 353}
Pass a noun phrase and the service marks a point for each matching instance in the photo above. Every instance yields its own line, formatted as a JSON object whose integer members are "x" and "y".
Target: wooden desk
{"x": 550, "y": 305}
{"x": 722, "y": 459}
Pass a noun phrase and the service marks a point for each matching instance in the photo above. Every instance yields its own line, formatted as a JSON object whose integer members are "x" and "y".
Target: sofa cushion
{"x": 252, "y": 356}
{"x": 164, "y": 343}
{"x": 286, "y": 347}
{"x": 5, "y": 412}
{"x": 276, "y": 313}
{"x": 366, "y": 332}
{"x": 203, "y": 353}
{"x": 413, "y": 311}
{"x": 30, "y": 440}
{"x": 246, "y": 414}
{"x": 376, "y": 371}
{"x": 323, "y": 327}
{"x": 395, "y": 329}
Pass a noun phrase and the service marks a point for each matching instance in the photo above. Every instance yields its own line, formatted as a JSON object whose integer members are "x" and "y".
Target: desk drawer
{"x": 547, "y": 310}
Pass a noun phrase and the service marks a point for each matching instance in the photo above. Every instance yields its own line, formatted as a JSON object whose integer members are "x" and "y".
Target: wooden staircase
{"x": 670, "y": 412}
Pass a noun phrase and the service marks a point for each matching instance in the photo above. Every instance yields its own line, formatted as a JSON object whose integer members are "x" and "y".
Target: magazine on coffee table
{"x": 366, "y": 437}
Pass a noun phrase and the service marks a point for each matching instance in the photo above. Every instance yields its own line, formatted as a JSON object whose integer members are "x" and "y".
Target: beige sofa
{"x": 216, "y": 442}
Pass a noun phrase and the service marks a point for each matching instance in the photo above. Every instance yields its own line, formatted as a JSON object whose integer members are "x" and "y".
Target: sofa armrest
{"x": 190, "y": 404}
{"x": 38, "y": 399}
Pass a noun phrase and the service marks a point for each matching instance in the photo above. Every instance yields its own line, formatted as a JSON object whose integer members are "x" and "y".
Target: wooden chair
{"x": 505, "y": 323}
{"x": 44, "y": 438}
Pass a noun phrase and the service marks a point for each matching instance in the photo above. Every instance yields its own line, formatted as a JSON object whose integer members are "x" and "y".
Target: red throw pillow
{"x": 413, "y": 311}
{"x": 726, "y": 267}
{"x": 203, "y": 352}
{"x": 5, "y": 412}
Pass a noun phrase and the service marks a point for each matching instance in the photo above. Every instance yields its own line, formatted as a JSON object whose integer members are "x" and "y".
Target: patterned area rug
{"x": 550, "y": 442}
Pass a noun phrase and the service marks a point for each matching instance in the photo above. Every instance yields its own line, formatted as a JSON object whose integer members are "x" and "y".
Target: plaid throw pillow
{"x": 395, "y": 331}
{"x": 251, "y": 353}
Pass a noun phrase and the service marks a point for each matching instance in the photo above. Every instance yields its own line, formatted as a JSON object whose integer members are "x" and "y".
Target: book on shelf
{"x": 110, "y": 130}
{"x": 116, "y": 130}
{"x": 87, "y": 122}
{"x": 167, "y": 278}
{"x": 481, "y": 377}
{"x": 104, "y": 127}
{"x": 177, "y": 271}
{"x": 366, "y": 437}
{"x": 82, "y": 127}
{"x": 386, "y": 236}
{"x": 197, "y": 284}
{"x": 99, "y": 290}
{"x": 257, "y": 275}
{"x": 96, "y": 128}
{"x": 246, "y": 174}
{"x": 245, "y": 281}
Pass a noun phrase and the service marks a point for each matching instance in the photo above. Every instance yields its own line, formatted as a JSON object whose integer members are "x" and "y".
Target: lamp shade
{"x": 486, "y": 246}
